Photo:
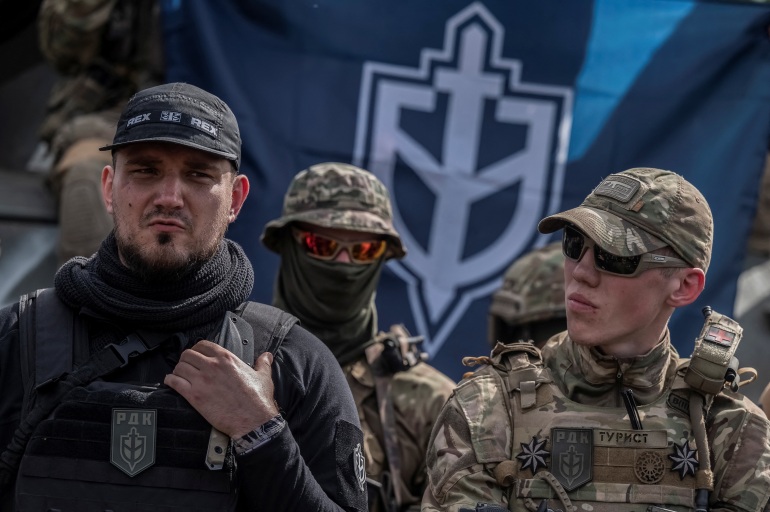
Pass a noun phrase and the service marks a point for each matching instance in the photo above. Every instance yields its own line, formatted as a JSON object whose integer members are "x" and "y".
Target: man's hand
{"x": 233, "y": 397}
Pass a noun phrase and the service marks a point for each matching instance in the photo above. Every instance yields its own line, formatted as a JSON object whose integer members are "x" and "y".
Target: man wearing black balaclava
{"x": 334, "y": 237}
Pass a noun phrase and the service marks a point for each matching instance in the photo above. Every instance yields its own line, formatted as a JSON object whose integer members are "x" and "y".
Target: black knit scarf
{"x": 201, "y": 295}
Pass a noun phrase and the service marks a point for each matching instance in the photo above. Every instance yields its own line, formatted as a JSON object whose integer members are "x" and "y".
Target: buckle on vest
{"x": 130, "y": 347}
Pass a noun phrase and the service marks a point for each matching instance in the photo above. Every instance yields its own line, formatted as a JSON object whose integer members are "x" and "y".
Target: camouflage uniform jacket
{"x": 417, "y": 395}
{"x": 480, "y": 454}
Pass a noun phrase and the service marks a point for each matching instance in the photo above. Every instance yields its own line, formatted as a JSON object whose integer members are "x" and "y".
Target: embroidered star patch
{"x": 533, "y": 455}
{"x": 684, "y": 460}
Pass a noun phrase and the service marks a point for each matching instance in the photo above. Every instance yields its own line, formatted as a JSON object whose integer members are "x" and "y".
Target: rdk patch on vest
{"x": 132, "y": 441}
{"x": 572, "y": 456}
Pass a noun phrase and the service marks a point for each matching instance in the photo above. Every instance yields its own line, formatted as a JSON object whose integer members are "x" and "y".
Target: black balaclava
{"x": 333, "y": 300}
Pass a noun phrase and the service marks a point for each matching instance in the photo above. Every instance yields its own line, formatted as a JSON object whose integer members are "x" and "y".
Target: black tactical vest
{"x": 111, "y": 446}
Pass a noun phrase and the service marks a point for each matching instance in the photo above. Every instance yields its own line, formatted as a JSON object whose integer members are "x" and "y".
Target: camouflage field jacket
{"x": 563, "y": 435}
{"x": 417, "y": 395}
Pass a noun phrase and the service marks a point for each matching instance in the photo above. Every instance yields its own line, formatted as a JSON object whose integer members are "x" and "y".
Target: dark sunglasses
{"x": 575, "y": 244}
{"x": 324, "y": 247}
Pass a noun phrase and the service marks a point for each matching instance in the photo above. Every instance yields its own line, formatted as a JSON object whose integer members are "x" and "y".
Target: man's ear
{"x": 240, "y": 192}
{"x": 108, "y": 174}
{"x": 691, "y": 282}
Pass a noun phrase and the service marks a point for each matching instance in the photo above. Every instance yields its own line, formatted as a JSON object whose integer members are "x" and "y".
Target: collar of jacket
{"x": 588, "y": 376}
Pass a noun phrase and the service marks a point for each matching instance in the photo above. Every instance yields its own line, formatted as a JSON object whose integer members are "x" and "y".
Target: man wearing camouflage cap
{"x": 530, "y": 303}
{"x": 334, "y": 237}
{"x": 608, "y": 417}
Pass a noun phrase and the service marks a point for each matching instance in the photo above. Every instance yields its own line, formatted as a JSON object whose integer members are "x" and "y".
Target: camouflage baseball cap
{"x": 533, "y": 287}
{"x": 337, "y": 195}
{"x": 643, "y": 209}
{"x": 182, "y": 114}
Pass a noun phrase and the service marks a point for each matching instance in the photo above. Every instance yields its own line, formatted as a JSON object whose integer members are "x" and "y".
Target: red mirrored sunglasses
{"x": 325, "y": 247}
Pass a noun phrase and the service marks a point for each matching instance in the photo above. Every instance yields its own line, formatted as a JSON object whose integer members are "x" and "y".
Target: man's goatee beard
{"x": 163, "y": 270}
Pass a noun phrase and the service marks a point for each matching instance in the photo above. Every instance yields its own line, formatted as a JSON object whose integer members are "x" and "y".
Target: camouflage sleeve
{"x": 739, "y": 436}
{"x": 420, "y": 406}
{"x": 70, "y": 31}
{"x": 471, "y": 435}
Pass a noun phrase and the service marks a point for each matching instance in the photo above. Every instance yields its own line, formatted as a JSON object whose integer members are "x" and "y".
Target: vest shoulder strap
{"x": 522, "y": 370}
{"x": 47, "y": 328}
{"x": 266, "y": 325}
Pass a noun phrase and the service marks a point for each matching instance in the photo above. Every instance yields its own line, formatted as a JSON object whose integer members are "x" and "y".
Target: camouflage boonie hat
{"x": 337, "y": 195}
{"x": 640, "y": 210}
{"x": 533, "y": 288}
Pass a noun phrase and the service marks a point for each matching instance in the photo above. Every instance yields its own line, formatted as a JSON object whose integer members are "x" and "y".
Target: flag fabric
{"x": 482, "y": 118}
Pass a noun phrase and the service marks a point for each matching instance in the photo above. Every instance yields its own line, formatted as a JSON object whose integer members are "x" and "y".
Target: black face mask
{"x": 333, "y": 300}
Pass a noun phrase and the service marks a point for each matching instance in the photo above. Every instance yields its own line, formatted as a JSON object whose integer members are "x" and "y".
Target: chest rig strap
{"x": 558, "y": 489}
{"x": 515, "y": 370}
{"x": 528, "y": 379}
